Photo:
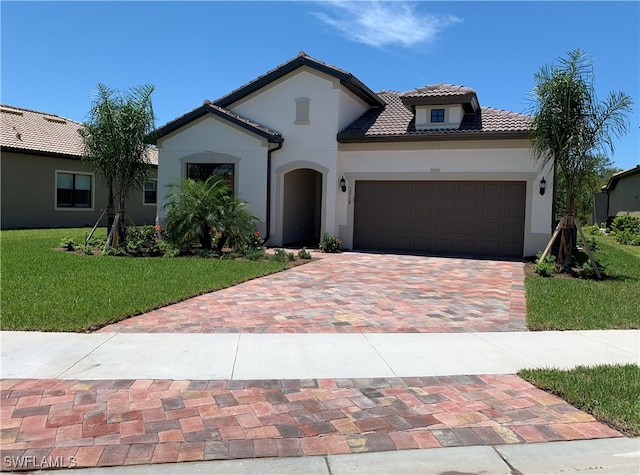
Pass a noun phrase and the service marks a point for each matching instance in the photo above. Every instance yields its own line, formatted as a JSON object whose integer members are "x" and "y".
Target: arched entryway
{"x": 302, "y": 212}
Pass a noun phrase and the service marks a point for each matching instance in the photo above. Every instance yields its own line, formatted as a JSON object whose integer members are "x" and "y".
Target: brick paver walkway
{"x": 125, "y": 422}
{"x": 356, "y": 293}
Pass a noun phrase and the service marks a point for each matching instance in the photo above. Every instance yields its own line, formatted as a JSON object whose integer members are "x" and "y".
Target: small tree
{"x": 198, "y": 211}
{"x": 115, "y": 143}
{"x": 570, "y": 127}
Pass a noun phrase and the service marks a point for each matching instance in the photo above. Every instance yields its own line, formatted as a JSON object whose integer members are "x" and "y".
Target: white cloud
{"x": 380, "y": 24}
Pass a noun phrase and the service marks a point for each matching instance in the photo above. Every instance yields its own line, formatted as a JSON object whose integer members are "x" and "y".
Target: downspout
{"x": 268, "y": 230}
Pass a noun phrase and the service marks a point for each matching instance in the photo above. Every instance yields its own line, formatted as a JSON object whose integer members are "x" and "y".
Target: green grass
{"x": 581, "y": 304}
{"x": 48, "y": 290}
{"x": 610, "y": 393}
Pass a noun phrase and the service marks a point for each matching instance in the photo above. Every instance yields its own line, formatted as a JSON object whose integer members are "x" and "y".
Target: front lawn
{"x": 610, "y": 393}
{"x": 48, "y": 290}
{"x": 557, "y": 303}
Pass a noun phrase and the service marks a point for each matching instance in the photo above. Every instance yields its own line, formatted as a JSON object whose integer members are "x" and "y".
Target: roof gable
{"x": 210, "y": 108}
{"x": 347, "y": 79}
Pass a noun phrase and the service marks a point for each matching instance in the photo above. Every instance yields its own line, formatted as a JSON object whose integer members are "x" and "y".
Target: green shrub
{"x": 143, "y": 240}
{"x": 88, "y": 250}
{"x": 97, "y": 242}
{"x": 168, "y": 250}
{"x": 593, "y": 230}
{"x": 627, "y": 230}
{"x": 329, "y": 243}
{"x": 592, "y": 243}
{"x": 280, "y": 255}
{"x": 119, "y": 251}
{"x": 626, "y": 223}
{"x": 586, "y": 270}
{"x": 304, "y": 254}
{"x": 204, "y": 253}
{"x": 69, "y": 244}
{"x": 628, "y": 238}
{"x": 256, "y": 254}
{"x": 546, "y": 267}
{"x": 245, "y": 242}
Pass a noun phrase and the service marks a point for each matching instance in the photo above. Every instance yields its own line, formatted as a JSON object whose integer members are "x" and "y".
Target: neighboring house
{"x": 312, "y": 150}
{"x": 618, "y": 197}
{"x": 45, "y": 184}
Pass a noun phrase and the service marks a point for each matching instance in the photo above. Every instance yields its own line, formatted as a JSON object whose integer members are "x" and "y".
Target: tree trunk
{"x": 205, "y": 238}
{"x": 221, "y": 242}
{"x": 111, "y": 211}
{"x": 122, "y": 224}
{"x": 567, "y": 241}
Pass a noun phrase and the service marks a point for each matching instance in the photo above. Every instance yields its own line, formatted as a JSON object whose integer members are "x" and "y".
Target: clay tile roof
{"x": 40, "y": 133}
{"x": 31, "y": 131}
{"x": 209, "y": 107}
{"x": 395, "y": 121}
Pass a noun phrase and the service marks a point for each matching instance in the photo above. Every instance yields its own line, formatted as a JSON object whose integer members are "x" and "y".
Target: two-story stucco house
{"x": 312, "y": 149}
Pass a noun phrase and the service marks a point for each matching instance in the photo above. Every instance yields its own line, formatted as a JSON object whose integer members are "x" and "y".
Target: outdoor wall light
{"x": 543, "y": 186}
{"x": 343, "y": 184}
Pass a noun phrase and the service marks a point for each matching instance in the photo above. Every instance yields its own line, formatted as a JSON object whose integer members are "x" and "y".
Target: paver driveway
{"x": 356, "y": 292}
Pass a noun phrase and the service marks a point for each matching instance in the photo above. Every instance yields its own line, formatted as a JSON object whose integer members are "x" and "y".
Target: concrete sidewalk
{"x": 186, "y": 361}
{"x": 603, "y": 456}
{"x": 297, "y": 356}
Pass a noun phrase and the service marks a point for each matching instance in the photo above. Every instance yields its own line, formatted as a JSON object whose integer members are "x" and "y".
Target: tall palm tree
{"x": 571, "y": 127}
{"x": 119, "y": 127}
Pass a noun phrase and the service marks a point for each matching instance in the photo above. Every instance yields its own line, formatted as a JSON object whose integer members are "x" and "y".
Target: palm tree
{"x": 571, "y": 128}
{"x": 236, "y": 221}
{"x": 115, "y": 143}
{"x": 198, "y": 209}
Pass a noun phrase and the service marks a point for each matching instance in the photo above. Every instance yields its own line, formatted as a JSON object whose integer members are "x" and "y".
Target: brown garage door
{"x": 480, "y": 218}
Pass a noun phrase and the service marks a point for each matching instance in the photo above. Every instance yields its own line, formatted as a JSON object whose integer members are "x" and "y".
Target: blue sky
{"x": 55, "y": 53}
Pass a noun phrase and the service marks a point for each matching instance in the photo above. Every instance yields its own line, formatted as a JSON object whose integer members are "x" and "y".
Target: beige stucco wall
{"x": 484, "y": 160}
{"x": 29, "y": 194}
{"x": 625, "y": 196}
{"x": 211, "y": 139}
{"x": 311, "y": 145}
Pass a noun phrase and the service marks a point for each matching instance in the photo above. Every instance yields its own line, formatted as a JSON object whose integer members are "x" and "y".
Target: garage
{"x": 465, "y": 218}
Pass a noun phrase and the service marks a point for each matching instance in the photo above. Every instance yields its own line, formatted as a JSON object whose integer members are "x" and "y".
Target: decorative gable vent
{"x": 302, "y": 110}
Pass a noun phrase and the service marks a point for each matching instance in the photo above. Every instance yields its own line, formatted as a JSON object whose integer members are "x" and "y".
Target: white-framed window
{"x": 74, "y": 191}
{"x": 150, "y": 192}
{"x": 302, "y": 110}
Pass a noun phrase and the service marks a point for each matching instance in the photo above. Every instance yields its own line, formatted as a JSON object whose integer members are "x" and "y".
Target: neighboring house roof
{"x": 210, "y": 108}
{"x": 395, "y": 122}
{"x": 613, "y": 181}
{"x": 347, "y": 79}
{"x": 39, "y": 133}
